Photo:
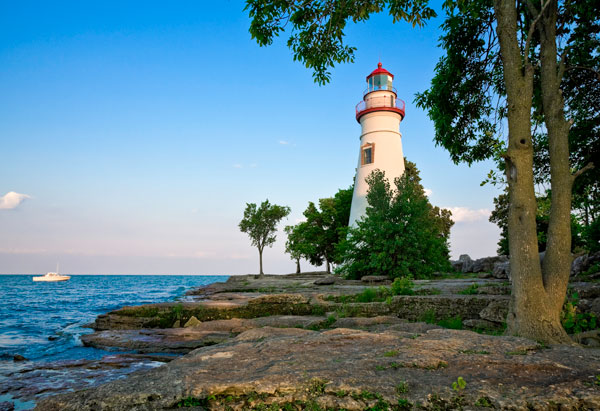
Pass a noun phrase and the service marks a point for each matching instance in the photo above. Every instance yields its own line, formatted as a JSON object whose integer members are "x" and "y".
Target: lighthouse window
{"x": 368, "y": 152}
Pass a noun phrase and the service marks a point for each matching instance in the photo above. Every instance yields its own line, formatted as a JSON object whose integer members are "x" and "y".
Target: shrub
{"x": 367, "y": 296}
{"x": 403, "y": 286}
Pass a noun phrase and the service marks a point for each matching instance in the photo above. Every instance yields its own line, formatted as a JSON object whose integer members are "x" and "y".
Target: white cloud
{"x": 467, "y": 215}
{"x": 283, "y": 142}
{"x": 12, "y": 200}
{"x": 428, "y": 192}
{"x": 237, "y": 166}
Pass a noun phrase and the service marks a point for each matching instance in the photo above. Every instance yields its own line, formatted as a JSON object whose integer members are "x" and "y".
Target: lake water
{"x": 43, "y": 322}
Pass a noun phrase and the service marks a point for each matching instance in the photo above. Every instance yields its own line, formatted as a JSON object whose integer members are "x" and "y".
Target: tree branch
{"x": 532, "y": 30}
{"x": 582, "y": 170}
{"x": 596, "y": 72}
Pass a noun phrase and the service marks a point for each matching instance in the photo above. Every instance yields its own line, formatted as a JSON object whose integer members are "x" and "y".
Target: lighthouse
{"x": 379, "y": 114}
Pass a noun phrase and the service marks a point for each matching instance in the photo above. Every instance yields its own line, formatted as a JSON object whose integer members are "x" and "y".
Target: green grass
{"x": 470, "y": 290}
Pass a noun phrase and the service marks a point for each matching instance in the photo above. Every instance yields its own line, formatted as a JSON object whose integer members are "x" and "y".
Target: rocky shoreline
{"x": 306, "y": 342}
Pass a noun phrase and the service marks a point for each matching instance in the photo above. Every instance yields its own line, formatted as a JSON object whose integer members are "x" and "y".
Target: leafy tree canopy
{"x": 317, "y": 238}
{"x": 260, "y": 223}
{"x": 317, "y": 27}
{"x": 402, "y": 234}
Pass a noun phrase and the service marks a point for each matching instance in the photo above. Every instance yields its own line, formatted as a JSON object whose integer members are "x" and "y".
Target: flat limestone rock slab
{"x": 336, "y": 367}
{"x": 171, "y": 340}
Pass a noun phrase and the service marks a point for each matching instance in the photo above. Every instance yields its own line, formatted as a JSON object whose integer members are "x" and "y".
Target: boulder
{"x": 18, "y": 357}
{"x": 326, "y": 280}
{"x": 467, "y": 263}
{"x": 370, "y": 279}
{"x": 501, "y": 270}
{"x": 583, "y": 263}
{"x": 496, "y": 311}
{"x": 487, "y": 263}
{"x": 192, "y": 322}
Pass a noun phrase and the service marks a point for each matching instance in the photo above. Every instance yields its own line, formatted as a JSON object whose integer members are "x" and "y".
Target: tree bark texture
{"x": 298, "y": 266}
{"x": 532, "y": 311}
{"x": 260, "y": 261}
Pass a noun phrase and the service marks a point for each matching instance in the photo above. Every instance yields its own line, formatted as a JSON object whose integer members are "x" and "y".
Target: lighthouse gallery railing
{"x": 380, "y": 101}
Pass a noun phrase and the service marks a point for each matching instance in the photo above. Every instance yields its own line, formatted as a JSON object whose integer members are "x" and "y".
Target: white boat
{"x": 50, "y": 277}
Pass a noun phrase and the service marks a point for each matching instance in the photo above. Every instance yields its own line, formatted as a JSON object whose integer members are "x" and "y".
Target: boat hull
{"x": 51, "y": 280}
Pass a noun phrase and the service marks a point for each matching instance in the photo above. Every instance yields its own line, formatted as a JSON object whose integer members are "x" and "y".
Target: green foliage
{"x": 404, "y": 404}
{"x": 260, "y": 223}
{"x": 402, "y": 387}
{"x": 391, "y": 353}
{"x": 484, "y": 402}
{"x": 454, "y": 323}
{"x": 499, "y": 216}
{"x": 470, "y": 290}
{"x": 574, "y": 321}
{"x": 191, "y": 402}
{"x": 403, "y": 286}
{"x": 459, "y": 384}
{"x": 428, "y": 317}
{"x": 317, "y": 238}
{"x": 317, "y": 27}
{"x": 368, "y": 295}
{"x": 402, "y": 234}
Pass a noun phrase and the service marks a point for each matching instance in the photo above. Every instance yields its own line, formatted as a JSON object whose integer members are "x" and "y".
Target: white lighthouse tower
{"x": 379, "y": 115}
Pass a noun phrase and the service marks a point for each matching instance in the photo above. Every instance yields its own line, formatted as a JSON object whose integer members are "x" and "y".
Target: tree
{"x": 324, "y": 228}
{"x": 503, "y": 62}
{"x": 260, "y": 223}
{"x": 493, "y": 50}
{"x": 401, "y": 235}
{"x": 294, "y": 244}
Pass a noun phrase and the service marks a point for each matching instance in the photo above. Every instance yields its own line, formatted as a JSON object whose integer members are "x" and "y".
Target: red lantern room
{"x": 380, "y": 95}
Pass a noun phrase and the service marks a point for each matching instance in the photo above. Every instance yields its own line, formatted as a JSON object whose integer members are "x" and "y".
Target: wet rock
{"x": 192, "y": 322}
{"x": 18, "y": 357}
{"x": 6, "y": 406}
{"x": 37, "y": 380}
{"x": 326, "y": 280}
{"x": 273, "y": 367}
{"x": 496, "y": 312}
{"x": 370, "y": 279}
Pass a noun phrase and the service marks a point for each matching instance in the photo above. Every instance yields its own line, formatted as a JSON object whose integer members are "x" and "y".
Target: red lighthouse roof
{"x": 379, "y": 70}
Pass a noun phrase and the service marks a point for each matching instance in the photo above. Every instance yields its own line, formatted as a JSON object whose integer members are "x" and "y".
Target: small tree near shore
{"x": 260, "y": 223}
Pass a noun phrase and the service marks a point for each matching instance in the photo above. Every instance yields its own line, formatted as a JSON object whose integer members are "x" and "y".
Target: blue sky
{"x": 135, "y": 133}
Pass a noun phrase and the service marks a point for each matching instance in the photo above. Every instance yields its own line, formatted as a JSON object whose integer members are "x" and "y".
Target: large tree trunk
{"x": 298, "y": 266}
{"x": 556, "y": 268}
{"x": 260, "y": 260}
{"x": 531, "y": 313}
{"x": 328, "y": 266}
